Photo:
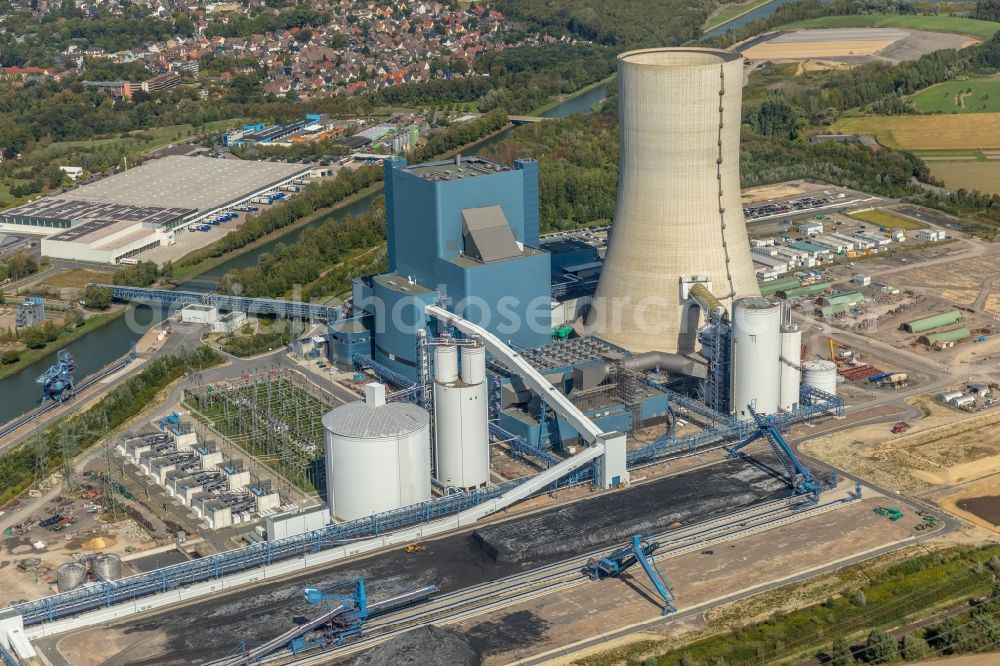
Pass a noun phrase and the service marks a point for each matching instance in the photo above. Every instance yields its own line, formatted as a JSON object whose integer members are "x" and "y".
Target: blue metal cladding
{"x": 424, "y": 217}
{"x": 529, "y": 170}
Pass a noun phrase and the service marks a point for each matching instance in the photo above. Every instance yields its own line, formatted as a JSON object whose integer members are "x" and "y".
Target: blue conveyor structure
{"x": 801, "y": 479}
{"x": 252, "y": 306}
{"x": 640, "y": 552}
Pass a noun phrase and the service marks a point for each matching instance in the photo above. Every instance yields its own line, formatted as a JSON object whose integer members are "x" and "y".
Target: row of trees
{"x": 79, "y": 432}
{"x": 312, "y": 198}
{"x": 277, "y": 273}
{"x": 18, "y": 265}
{"x": 622, "y": 23}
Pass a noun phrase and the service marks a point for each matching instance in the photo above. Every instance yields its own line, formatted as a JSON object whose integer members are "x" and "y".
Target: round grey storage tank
{"x": 70, "y": 576}
{"x": 108, "y": 567}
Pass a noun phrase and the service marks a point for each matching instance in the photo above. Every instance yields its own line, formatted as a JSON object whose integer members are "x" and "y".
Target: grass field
{"x": 969, "y": 96}
{"x": 730, "y": 11}
{"x": 982, "y": 175}
{"x": 962, "y": 26}
{"x": 76, "y": 278}
{"x": 966, "y": 131}
{"x": 888, "y": 220}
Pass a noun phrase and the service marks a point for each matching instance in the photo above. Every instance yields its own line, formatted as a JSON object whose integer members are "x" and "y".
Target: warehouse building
{"x": 136, "y": 210}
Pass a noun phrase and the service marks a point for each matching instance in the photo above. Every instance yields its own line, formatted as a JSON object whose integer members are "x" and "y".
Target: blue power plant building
{"x": 462, "y": 233}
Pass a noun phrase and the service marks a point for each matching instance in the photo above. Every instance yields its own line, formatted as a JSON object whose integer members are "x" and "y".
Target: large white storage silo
{"x": 756, "y": 356}
{"x": 791, "y": 375}
{"x": 377, "y": 455}
{"x": 461, "y": 426}
{"x": 821, "y": 375}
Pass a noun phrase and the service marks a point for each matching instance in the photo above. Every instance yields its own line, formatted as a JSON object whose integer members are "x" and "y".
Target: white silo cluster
{"x": 377, "y": 455}
{"x": 756, "y": 356}
{"x": 791, "y": 373}
{"x": 461, "y": 412}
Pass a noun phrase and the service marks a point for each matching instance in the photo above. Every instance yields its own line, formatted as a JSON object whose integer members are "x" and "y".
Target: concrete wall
{"x": 679, "y": 113}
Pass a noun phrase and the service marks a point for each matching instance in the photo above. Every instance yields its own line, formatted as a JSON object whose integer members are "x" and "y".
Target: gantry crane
{"x": 639, "y": 551}
{"x": 801, "y": 479}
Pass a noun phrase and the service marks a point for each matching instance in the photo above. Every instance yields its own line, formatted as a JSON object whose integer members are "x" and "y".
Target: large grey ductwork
{"x": 658, "y": 360}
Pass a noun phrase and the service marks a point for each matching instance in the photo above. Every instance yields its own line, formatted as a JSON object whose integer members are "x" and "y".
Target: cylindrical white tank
{"x": 756, "y": 350}
{"x": 791, "y": 376}
{"x": 461, "y": 424}
{"x": 377, "y": 456}
{"x": 445, "y": 363}
{"x": 821, "y": 375}
{"x": 679, "y": 209}
{"x": 474, "y": 363}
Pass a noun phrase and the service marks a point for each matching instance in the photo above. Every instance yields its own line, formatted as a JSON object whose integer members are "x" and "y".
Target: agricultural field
{"x": 962, "y": 26}
{"x": 968, "y": 96}
{"x": 982, "y": 175}
{"x": 968, "y": 131}
{"x": 888, "y": 220}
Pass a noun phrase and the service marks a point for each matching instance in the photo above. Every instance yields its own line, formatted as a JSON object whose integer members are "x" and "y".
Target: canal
{"x": 97, "y": 349}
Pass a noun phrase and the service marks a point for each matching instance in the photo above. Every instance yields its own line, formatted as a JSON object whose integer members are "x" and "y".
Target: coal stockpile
{"x": 677, "y": 501}
{"x": 423, "y": 646}
{"x": 453, "y": 562}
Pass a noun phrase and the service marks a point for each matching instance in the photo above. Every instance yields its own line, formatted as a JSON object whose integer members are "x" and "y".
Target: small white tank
{"x": 378, "y": 455}
{"x": 461, "y": 423}
{"x": 791, "y": 376}
{"x": 756, "y": 351}
{"x": 821, "y": 375}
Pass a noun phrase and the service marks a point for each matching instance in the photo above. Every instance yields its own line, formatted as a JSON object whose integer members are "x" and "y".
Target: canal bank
{"x": 98, "y": 348}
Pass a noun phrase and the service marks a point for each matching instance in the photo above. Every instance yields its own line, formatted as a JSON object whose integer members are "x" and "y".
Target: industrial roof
{"x": 807, "y": 290}
{"x": 488, "y": 236}
{"x": 360, "y": 420}
{"x": 927, "y": 323}
{"x": 187, "y": 182}
{"x": 460, "y": 167}
{"x": 845, "y": 298}
{"x": 955, "y": 335}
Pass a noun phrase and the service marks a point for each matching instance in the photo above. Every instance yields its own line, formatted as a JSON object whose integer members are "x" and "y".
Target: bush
{"x": 914, "y": 647}
{"x": 10, "y": 357}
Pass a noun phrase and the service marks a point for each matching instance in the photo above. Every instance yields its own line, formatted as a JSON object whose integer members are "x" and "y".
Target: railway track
{"x": 495, "y": 595}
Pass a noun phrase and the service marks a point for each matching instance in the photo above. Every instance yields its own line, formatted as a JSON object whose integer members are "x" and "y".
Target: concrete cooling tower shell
{"x": 679, "y": 211}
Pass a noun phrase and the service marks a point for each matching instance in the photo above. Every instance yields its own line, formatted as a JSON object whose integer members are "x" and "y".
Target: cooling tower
{"x": 678, "y": 211}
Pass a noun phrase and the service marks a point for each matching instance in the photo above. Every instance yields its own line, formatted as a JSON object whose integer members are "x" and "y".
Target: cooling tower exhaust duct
{"x": 679, "y": 210}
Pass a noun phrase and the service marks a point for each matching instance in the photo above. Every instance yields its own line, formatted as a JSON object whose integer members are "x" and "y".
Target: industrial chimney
{"x": 679, "y": 211}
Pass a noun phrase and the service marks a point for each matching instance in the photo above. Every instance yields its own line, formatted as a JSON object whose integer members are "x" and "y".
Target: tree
{"x": 859, "y": 599}
{"x": 10, "y": 357}
{"x": 97, "y": 298}
{"x": 840, "y": 654}
{"x": 880, "y": 648}
{"x": 914, "y": 647}
{"x": 34, "y": 338}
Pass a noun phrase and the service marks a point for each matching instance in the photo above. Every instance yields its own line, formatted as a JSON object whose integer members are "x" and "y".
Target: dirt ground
{"x": 779, "y": 191}
{"x": 779, "y": 554}
{"x": 945, "y": 448}
{"x": 855, "y": 44}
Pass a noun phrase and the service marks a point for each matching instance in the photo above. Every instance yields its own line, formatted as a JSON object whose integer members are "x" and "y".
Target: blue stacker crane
{"x": 57, "y": 382}
{"x": 802, "y": 480}
{"x": 641, "y": 551}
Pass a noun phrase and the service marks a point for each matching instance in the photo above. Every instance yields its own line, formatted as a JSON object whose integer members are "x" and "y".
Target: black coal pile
{"x": 421, "y": 647}
{"x": 612, "y": 519}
